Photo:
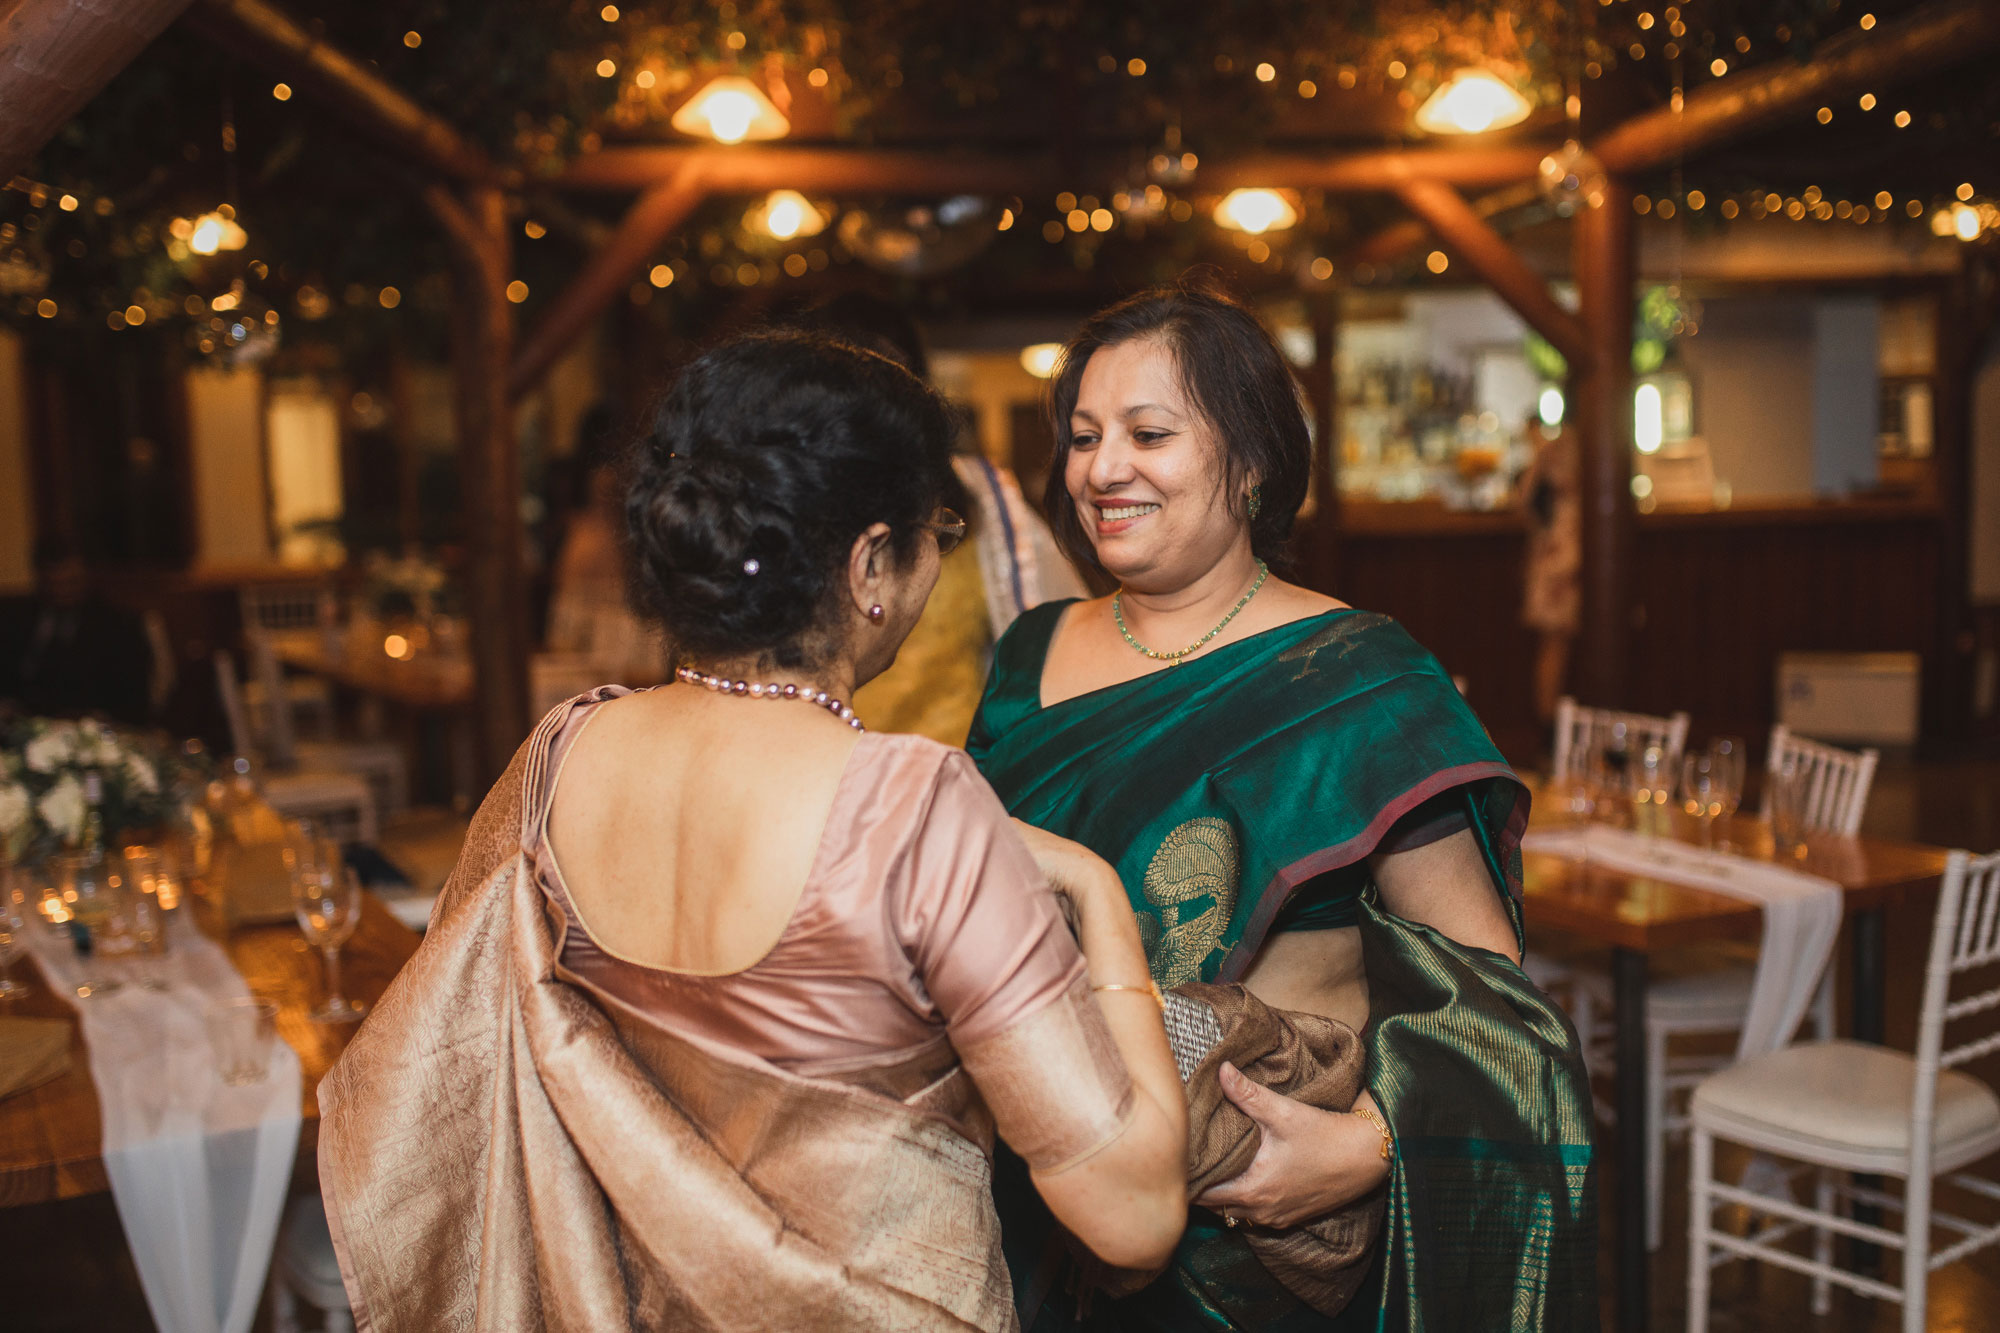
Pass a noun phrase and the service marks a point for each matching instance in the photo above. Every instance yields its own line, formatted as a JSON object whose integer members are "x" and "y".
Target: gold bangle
{"x": 1381, "y": 1127}
{"x": 1151, "y": 988}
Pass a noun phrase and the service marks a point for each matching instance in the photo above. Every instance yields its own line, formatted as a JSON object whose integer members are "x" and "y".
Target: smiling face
{"x": 1146, "y": 472}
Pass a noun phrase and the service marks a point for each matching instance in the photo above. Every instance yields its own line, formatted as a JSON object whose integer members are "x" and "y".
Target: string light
{"x": 1006, "y": 222}
{"x": 1883, "y": 199}
{"x": 1867, "y": 22}
{"x": 661, "y": 276}
{"x": 1135, "y": 67}
{"x": 1266, "y": 72}
{"x": 389, "y": 297}
{"x": 1964, "y": 190}
{"x": 1902, "y": 120}
{"x": 1308, "y": 89}
{"x": 45, "y": 308}
{"x": 816, "y": 77}
{"x": 1868, "y": 101}
{"x": 67, "y": 203}
{"x": 1825, "y": 115}
{"x": 609, "y": 13}
{"x": 413, "y": 39}
{"x": 517, "y": 291}
{"x": 533, "y": 230}
{"x": 1322, "y": 268}
{"x": 282, "y": 92}
{"x": 1437, "y": 261}
{"x": 1101, "y": 219}
{"x": 606, "y": 68}
{"x": 1718, "y": 67}
{"x": 645, "y": 78}
{"x": 1397, "y": 69}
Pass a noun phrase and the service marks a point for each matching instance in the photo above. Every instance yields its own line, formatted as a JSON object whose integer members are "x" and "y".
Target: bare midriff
{"x": 1315, "y": 972}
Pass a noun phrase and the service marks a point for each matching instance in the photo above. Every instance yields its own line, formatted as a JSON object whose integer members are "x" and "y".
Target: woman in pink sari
{"x": 718, "y": 1016}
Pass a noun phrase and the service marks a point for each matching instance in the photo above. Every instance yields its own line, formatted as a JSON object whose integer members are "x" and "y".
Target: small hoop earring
{"x": 1256, "y": 503}
{"x": 875, "y": 613}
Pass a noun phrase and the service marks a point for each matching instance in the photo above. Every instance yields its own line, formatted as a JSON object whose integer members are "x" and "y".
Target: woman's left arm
{"x": 1313, "y": 1161}
{"x": 1445, "y": 885}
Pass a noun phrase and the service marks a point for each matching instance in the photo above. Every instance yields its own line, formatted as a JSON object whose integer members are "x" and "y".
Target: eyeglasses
{"x": 950, "y": 530}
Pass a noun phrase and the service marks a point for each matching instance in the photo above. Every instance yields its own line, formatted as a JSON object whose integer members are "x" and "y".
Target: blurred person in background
{"x": 1551, "y": 491}
{"x": 1010, "y": 563}
{"x": 590, "y": 612}
{"x": 67, "y": 652}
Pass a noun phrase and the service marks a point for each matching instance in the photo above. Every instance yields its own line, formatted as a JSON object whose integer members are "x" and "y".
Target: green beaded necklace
{"x": 1118, "y": 614}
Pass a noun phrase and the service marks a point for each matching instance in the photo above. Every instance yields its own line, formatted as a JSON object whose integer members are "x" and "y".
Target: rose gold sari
{"x": 496, "y": 1154}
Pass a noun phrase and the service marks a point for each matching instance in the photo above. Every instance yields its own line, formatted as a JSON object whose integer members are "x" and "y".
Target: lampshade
{"x": 730, "y": 109}
{"x": 1470, "y": 102}
{"x": 786, "y": 215}
{"x": 1256, "y": 211}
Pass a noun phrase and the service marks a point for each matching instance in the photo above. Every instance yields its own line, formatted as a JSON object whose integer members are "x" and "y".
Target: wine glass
{"x": 1650, "y": 770}
{"x": 13, "y": 940}
{"x": 1790, "y": 782}
{"x": 326, "y": 897}
{"x": 1701, "y": 791}
{"x": 1730, "y": 756}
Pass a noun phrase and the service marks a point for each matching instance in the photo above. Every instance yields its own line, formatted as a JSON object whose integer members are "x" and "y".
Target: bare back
{"x": 687, "y": 824}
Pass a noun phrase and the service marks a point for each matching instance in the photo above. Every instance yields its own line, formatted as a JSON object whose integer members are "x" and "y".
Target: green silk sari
{"x": 1217, "y": 788}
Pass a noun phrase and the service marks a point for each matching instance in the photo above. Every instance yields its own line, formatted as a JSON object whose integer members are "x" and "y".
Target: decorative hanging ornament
{"x": 920, "y": 240}
{"x": 1572, "y": 178}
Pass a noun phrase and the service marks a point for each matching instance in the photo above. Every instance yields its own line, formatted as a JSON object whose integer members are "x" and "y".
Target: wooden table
{"x": 51, "y": 1136}
{"x": 425, "y": 680}
{"x": 1638, "y": 917}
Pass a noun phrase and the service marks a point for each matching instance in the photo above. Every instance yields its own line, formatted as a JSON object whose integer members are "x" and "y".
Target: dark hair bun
{"x": 764, "y": 461}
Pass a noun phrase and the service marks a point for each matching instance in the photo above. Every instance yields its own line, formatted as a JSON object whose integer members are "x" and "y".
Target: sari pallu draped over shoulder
{"x": 1217, "y": 788}
{"x": 496, "y": 1155}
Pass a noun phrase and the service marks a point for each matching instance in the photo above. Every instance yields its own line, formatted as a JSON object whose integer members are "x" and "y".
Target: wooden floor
{"x": 68, "y": 1270}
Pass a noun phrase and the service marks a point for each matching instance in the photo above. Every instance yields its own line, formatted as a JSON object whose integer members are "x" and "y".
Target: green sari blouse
{"x": 1218, "y": 788}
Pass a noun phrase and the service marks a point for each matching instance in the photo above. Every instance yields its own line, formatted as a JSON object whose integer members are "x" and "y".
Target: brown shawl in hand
{"x": 1310, "y": 1059}
{"x": 495, "y": 1157}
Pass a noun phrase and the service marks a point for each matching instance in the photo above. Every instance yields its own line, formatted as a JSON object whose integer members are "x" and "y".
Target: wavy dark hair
{"x": 1234, "y": 377}
{"x": 779, "y": 449}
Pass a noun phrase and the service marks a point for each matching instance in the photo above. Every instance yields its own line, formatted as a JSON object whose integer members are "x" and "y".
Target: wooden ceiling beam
{"x": 270, "y": 39}
{"x": 750, "y": 170}
{"x": 1460, "y": 227}
{"x": 1938, "y": 35}
{"x": 56, "y": 54}
{"x": 611, "y": 268}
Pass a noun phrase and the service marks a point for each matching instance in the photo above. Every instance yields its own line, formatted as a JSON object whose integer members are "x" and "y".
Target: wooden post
{"x": 1600, "y": 410}
{"x": 56, "y": 54}
{"x": 490, "y": 465}
{"x": 1966, "y": 313}
{"x": 1463, "y": 230}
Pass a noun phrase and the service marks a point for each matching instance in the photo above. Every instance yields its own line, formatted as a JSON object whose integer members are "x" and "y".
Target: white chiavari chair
{"x": 379, "y": 763}
{"x": 341, "y": 805}
{"x": 277, "y": 608}
{"x": 1837, "y": 781}
{"x": 1579, "y": 730}
{"x": 1844, "y": 1106}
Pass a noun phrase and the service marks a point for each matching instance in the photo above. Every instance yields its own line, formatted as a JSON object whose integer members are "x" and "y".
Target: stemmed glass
{"x": 13, "y": 940}
{"x": 1650, "y": 769}
{"x": 1701, "y": 791}
{"x": 326, "y": 897}
{"x": 1728, "y": 754}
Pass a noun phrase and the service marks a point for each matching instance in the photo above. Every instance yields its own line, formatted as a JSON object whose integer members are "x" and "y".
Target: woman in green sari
{"x": 1297, "y": 800}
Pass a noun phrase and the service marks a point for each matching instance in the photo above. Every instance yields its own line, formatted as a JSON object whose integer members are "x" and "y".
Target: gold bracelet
{"x": 1381, "y": 1127}
{"x": 1151, "y": 988}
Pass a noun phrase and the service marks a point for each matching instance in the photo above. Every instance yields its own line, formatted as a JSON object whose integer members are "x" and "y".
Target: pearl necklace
{"x": 1118, "y": 614}
{"x": 755, "y": 690}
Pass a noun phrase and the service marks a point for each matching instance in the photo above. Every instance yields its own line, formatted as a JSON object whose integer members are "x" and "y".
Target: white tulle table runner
{"x": 199, "y": 1170}
{"x": 1801, "y": 914}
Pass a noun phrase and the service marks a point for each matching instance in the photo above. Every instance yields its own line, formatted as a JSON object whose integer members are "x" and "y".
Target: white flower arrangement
{"x": 48, "y": 770}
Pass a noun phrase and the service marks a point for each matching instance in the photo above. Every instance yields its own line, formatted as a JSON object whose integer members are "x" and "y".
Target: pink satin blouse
{"x": 924, "y": 926}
